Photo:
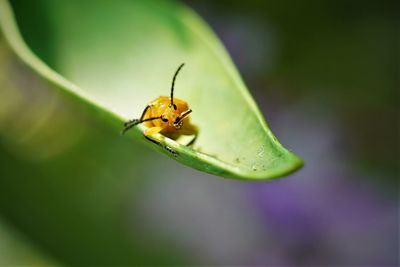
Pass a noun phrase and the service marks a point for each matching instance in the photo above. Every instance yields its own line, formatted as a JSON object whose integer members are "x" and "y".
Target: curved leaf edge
{"x": 210, "y": 164}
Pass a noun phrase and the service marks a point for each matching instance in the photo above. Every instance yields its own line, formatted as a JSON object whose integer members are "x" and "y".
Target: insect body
{"x": 166, "y": 115}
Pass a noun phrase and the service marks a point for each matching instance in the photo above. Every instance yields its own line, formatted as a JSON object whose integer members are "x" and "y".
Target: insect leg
{"x": 170, "y": 150}
{"x": 152, "y": 140}
{"x": 153, "y": 130}
{"x": 192, "y": 141}
{"x": 190, "y": 129}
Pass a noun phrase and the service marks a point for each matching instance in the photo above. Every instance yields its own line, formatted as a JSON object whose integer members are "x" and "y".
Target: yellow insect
{"x": 166, "y": 115}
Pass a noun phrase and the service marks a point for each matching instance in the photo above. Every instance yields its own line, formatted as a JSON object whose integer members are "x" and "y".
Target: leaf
{"x": 117, "y": 56}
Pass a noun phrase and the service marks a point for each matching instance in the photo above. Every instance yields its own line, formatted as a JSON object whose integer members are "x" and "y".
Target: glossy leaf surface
{"x": 117, "y": 56}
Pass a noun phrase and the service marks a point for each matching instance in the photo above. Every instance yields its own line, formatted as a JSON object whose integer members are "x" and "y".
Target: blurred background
{"x": 325, "y": 75}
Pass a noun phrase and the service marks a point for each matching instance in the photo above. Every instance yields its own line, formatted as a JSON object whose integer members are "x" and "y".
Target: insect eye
{"x": 172, "y": 105}
{"x": 164, "y": 119}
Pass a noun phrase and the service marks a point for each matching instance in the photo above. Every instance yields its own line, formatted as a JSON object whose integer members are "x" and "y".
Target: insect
{"x": 166, "y": 115}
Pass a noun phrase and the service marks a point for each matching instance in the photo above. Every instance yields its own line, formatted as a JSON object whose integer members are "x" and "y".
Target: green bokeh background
{"x": 325, "y": 74}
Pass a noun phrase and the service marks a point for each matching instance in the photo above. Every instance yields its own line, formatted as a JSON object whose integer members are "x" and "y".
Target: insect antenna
{"x": 135, "y": 122}
{"x": 173, "y": 83}
{"x": 183, "y": 115}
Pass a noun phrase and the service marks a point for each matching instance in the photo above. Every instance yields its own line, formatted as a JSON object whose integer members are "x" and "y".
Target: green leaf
{"x": 117, "y": 56}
